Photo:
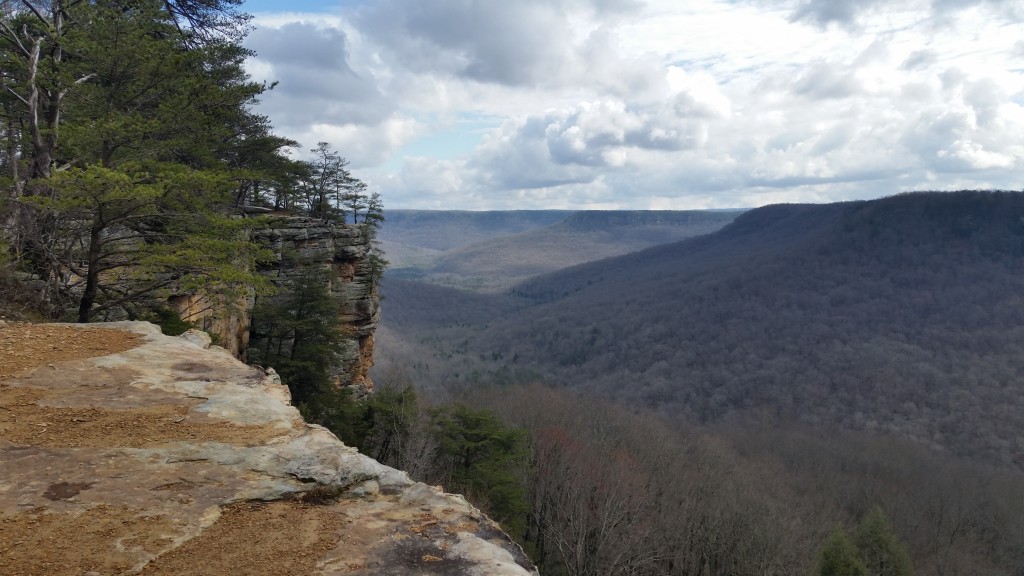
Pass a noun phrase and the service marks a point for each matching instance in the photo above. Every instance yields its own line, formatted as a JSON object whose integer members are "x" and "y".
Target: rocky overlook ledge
{"x": 124, "y": 451}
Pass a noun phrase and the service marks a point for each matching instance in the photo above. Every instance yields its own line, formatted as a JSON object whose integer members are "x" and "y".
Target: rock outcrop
{"x": 227, "y": 319}
{"x": 346, "y": 250}
{"x": 300, "y": 241}
{"x": 174, "y": 458}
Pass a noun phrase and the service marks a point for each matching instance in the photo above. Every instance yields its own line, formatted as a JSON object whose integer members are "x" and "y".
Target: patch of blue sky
{"x": 458, "y": 141}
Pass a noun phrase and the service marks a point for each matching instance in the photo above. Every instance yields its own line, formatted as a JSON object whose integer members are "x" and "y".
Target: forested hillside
{"x": 900, "y": 315}
{"x": 582, "y": 237}
{"x": 447, "y": 229}
{"x": 759, "y": 400}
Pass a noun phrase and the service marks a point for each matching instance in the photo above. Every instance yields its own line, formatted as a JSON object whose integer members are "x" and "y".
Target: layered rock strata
{"x": 297, "y": 241}
{"x": 174, "y": 458}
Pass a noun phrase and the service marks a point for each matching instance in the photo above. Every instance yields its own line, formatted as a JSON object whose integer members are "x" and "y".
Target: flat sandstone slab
{"x": 123, "y": 451}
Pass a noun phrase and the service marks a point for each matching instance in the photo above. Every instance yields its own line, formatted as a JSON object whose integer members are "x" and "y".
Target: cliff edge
{"x": 124, "y": 451}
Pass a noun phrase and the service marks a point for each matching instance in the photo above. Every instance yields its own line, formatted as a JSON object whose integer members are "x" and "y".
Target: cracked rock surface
{"x": 123, "y": 451}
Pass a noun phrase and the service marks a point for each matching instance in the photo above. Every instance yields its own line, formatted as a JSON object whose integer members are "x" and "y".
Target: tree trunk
{"x": 45, "y": 104}
{"x": 92, "y": 277}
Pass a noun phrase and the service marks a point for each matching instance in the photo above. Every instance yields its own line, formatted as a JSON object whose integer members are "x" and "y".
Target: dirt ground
{"x": 252, "y": 539}
{"x": 74, "y": 502}
{"x": 28, "y": 416}
{"x": 25, "y": 346}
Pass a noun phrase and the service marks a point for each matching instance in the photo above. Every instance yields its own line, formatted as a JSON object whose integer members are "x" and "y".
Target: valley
{"x": 838, "y": 356}
{"x": 493, "y": 251}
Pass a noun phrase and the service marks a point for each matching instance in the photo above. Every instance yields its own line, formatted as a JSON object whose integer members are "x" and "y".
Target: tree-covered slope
{"x": 901, "y": 315}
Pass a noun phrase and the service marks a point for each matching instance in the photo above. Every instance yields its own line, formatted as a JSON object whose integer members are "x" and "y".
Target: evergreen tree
{"x": 354, "y": 198}
{"x": 131, "y": 232}
{"x": 297, "y": 333}
{"x": 337, "y": 410}
{"x": 143, "y": 115}
{"x": 391, "y": 414}
{"x": 206, "y": 20}
{"x": 839, "y": 556}
{"x": 481, "y": 457}
{"x": 324, "y": 179}
{"x": 880, "y": 550}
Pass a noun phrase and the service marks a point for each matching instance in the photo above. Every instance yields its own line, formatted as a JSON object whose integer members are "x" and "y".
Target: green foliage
{"x": 881, "y": 552}
{"x": 470, "y": 451}
{"x": 336, "y": 409}
{"x": 874, "y": 550}
{"x": 297, "y": 332}
{"x": 324, "y": 180}
{"x": 379, "y": 425}
{"x": 391, "y": 415}
{"x": 377, "y": 266}
{"x": 839, "y": 556}
{"x": 482, "y": 456}
{"x": 142, "y": 227}
{"x": 170, "y": 321}
{"x": 324, "y": 188}
{"x": 145, "y": 106}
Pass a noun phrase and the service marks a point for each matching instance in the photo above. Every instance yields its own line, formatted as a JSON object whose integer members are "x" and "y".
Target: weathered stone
{"x": 198, "y": 337}
{"x": 191, "y": 441}
{"x": 226, "y": 319}
{"x": 342, "y": 247}
{"x": 345, "y": 249}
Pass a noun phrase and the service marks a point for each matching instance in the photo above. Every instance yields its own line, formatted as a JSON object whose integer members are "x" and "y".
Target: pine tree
{"x": 879, "y": 549}
{"x": 136, "y": 230}
{"x": 481, "y": 456}
{"x": 297, "y": 333}
{"x": 324, "y": 179}
{"x": 391, "y": 413}
{"x": 839, "y": 556}
{"x": 141, "y": 114}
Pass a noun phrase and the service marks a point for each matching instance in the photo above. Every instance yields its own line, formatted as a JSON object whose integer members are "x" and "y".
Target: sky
{"x": 649, "y": 104}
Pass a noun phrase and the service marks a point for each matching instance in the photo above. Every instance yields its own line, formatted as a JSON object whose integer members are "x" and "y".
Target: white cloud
{"x": 365, "y": 146}
{"x": 615, "y": 103}
{"x": 527, "y": 42}
{"x": 316, "y": 85}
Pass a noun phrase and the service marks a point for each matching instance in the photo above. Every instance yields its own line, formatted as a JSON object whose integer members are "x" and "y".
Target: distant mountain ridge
{"x": 447, "y": 229}
{"x": 493, "y": 251}
{"x": 903, "y": 315}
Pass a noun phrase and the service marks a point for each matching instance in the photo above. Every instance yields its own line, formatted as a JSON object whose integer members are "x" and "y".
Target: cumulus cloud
{"x": 316, "y": 84}
{"x": 825, "y": 12}
{"x": 579, "y": 144}
{"x": 616, "y": 103}
{"x": 522, "y": 43}
{"x": 508, "y": 45}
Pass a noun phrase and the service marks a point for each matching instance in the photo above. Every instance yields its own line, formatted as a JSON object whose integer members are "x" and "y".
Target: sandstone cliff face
{"x": 174, "y": 458}
{"x": 293, "y": 239}
{"x": 345, "y": 249}
{"x": 227, "y": 320}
